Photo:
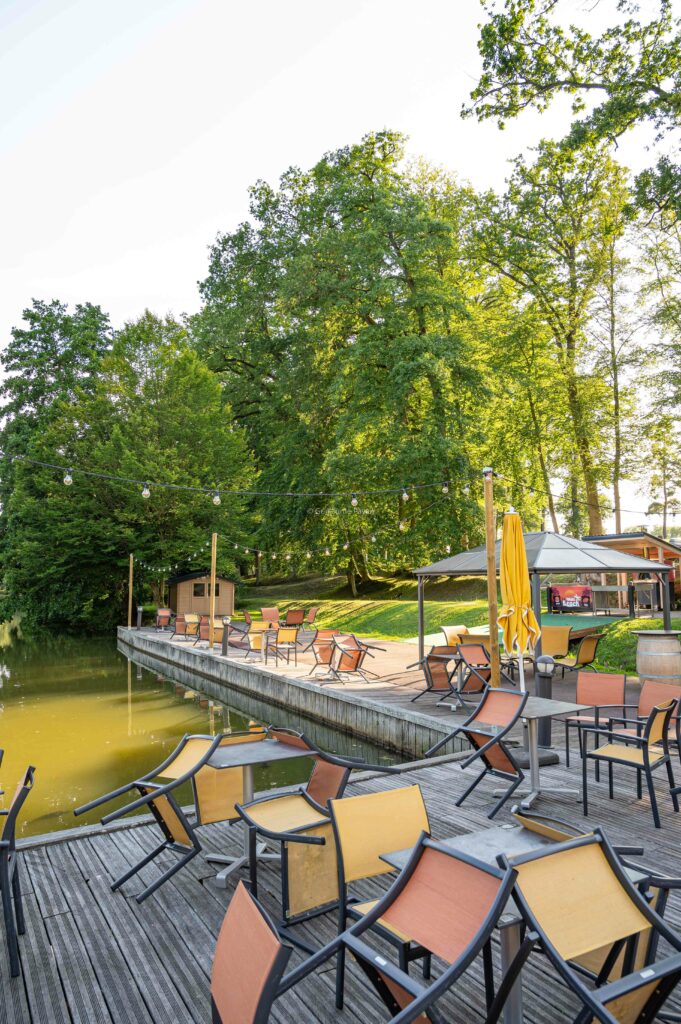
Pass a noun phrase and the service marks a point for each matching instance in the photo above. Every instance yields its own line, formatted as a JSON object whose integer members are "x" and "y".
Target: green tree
{"x": 550, "y": 235}
{"x": 154, "y": 412}
{"x": 338, "y": 322}
{"x": 632, "y": 71}
{"x": 663, "y": 469}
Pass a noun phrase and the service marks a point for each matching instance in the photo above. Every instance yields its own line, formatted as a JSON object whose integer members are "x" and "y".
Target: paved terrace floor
{"x": 95, "y": 957}
{"x": 395, "y": 684}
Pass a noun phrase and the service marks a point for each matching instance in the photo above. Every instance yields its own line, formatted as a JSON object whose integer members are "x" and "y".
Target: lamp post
{"x": 544, "y": 671}
{"x": 226, "y": 619}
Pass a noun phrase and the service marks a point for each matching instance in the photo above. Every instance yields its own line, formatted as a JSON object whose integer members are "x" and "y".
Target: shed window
{"x": 217, "y": 589}
{"x": 199, "y": 590}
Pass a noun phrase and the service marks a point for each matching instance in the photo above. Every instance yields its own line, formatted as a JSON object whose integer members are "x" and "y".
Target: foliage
{"x": 632, "y": 70}
{"x": 152, "y": 412}
{"x": 617, "y": 649}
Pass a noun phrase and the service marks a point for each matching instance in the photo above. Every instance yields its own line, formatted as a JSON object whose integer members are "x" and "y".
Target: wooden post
{"x": 132, "y": 563}
{"x": 211, "y": 606}
{"x": 490, "y": 544}
{"x": 421, "y": 610}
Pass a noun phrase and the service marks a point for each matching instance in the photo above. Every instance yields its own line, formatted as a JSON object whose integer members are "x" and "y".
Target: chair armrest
{"x": 612, "y": 734}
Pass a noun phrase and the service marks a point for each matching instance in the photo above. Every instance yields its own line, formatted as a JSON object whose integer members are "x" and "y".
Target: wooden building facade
{"x": 190, "y": 592}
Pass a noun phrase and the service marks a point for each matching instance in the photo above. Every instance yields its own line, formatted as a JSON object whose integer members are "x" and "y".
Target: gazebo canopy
{"x": 547, "y": 552}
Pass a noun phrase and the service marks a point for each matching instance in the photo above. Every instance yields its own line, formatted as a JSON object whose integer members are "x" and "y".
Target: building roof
{"x": 200, "y": 574}
{"x": 637, "y": 538}
{"x": 546, "y": 552}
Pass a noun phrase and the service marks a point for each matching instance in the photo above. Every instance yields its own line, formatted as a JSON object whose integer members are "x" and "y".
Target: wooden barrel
{"x": 658, "y": 657}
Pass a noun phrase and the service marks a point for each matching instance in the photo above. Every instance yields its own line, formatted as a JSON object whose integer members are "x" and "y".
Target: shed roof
{"x": 546, "y": 552}
{"x": 199, "y": 574}
{"x": 637, "y": 538}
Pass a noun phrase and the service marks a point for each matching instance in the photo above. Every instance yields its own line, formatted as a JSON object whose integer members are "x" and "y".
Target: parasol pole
{"x": 211, "y": 604}
{"x": 130, "y": 577}
{"x": 490, "y": 546}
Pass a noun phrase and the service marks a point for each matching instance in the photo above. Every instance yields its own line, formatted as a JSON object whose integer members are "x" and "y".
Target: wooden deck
{"x": 96, "y": 957}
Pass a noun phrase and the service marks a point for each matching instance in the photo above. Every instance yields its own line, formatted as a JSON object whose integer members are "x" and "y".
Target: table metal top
{"x": 236, "y": 755}
{"x": 542, "y": 707}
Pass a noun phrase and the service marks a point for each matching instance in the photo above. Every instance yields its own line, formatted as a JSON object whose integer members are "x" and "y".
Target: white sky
{"x": 130, "y": 130}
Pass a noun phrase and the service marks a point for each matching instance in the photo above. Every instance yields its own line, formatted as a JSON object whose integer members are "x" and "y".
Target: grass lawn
{"x": 388, "y": 611}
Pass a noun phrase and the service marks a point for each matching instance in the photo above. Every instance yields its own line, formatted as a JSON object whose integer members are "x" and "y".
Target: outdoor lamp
{"x": 354, "y": 501}
{"x": 216, "y": 498}
{"x": 146, "y": 492}
{"x": 68, "y": 479}
{"x": 373, "y": 538}
{"x": 445, "y": 488}
{"x": 405, "y": 494}
{"x": 545, "y": 665}
{"x": 466, "y": 489}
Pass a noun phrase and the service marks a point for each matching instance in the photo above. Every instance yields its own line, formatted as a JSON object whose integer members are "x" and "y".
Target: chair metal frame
{"x": 12, "y": 909}
{"x": 666, "y": 973}
{"x": 583, "y": 719}
{"x": 284, "y": 649}
{"x": 360, "y": 648}
{"x": 442, "y": 654}
{"x": 299, "y": 834}
{"x": 480, "y": 750}
{"x": 384, "y": 976}
{"x": 642, "y": 743}
{"x": 321, "y": 641}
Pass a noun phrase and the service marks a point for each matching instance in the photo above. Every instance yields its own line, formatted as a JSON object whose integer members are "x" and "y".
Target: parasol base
{"x": 546, "y": 756}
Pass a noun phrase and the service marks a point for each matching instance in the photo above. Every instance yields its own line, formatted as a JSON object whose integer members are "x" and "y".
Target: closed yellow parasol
{"x": 517, "y": 619}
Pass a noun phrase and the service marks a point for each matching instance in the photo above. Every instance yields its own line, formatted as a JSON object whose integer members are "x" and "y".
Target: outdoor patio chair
{"x": 270, "y": 615}
{"x": 311, "y": 616}
{"x": 216, "y": 792}
{"x": 476, "y": 669}
{"x": 555, "y": 642}
{"x": 449, "y": 902}
{"x": 163, "y": 617}
{"x": 602, "y": 691}
{"x": 179, "y": 627}
{"x": 365, "y": 827}
{"x": 204, "y": 631}
{"x": 485, "y": 728}
{"x": 349, "y": 656}
{"x": 282, "y": 643}
{"x": 192, "y": 623}
{"x": 300, "y": 823}
{"x": 454, "y": 634}
{"x": 256, "y": 638}
{"x": 586, "y": 653}
{"x": 294, "y": 617}
{"x": 646, "y": 754}
{"x": 439, "y": 667}
{"x": 577, "y": 902}
{"x": 10, "y": 887}
{"x": 650, "y": 694}
{"x": 322, "y": 647}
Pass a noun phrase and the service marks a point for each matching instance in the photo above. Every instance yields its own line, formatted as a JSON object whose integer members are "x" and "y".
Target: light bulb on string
{"x": 448, "y": 549}
{"x": 146, "y": 491}
{"x": 326, "y": 551}
{"x": 466, "y": 489}
{"x": 373, "y": 538}
{"x": 216, "y": 498}
{"x": 274, "y": 554}
{"x": 346, "y": 546}
{"x": 445, "y": 487}
{"x": 354, "y": 501}
{"x": 403, "y": 525}
{"x": 288, "y": 558}
{"x": 236, "y": 547}
{"x": 246, "y": 551}
{"x": 68, "y": 478}
{"x": 405, "y": 494}
{"x": 308, "y": 554}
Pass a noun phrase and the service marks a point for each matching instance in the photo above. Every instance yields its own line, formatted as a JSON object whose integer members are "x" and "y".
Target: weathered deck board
{"x": 94, "y": 955}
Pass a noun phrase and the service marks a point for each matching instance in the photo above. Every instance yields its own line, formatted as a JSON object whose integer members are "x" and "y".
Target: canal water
{"x": 90, "y": 719}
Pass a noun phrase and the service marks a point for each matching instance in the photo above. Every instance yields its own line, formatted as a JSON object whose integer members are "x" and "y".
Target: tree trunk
{"x": 616, "y": 410}
{"x": 584, "y": 455}
{"x": 350, "y": 572}
{"x": 542, "y": 463}
{"x": 258, "y": 568}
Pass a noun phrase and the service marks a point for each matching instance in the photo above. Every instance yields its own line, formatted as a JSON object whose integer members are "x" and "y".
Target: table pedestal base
{"x": 238, "y": 862}
{"x": 528, "y": 796}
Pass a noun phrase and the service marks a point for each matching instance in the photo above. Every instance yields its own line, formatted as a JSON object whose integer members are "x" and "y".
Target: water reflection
{"x": 89, "y": 719}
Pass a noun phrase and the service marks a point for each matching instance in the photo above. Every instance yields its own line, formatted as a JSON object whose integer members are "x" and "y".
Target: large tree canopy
{"x": 632, "y": 71}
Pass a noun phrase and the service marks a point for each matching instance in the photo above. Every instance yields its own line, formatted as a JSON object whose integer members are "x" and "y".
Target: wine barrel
{"x": 658, "y": 656}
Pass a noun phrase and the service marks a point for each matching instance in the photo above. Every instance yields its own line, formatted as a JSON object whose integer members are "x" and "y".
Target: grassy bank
{"x": 617, "y": 650}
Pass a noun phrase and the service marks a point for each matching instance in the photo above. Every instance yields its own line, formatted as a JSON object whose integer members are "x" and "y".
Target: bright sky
{"x": 130, "y": 131}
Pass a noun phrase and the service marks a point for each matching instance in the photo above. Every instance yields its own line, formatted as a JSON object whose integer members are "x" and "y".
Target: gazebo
{"x": 546, "y": 553}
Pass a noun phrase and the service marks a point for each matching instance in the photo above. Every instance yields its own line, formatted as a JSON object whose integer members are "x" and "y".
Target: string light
{"x": 354, "y": 501}
{"x": 373, "y": 538}
{"x": 466, "y": 490}
{"x": 146, "y": 492}
{"x": 68, "y": 478}
{"x": 346, "y": 546}
{"x": 445, "y": 488}
{"x": 448, "y": 549}
{"x": 288, "y": 557}
{"x": 405, "y": 494}
{"x": 326, "y": 551}
{"x": 216, "y": 498}
{"x": 403, "y": 526}
{"x": 308, "y": 554}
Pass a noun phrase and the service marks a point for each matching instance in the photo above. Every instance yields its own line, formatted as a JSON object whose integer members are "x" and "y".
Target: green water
{"x": 90, "y": 720}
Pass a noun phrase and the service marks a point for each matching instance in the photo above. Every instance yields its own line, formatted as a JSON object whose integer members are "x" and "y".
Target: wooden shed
{"x": 190, "y": 592}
